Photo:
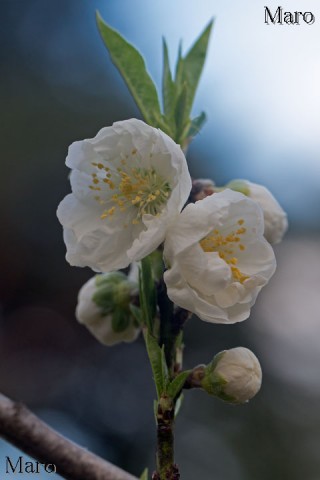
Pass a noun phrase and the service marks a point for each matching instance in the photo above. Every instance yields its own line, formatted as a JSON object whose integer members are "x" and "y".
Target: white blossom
{"x": 275, "y": 218}
{"x": 128, "y": 184}
{"x": 217, "y": 257}
{"x": 103, "y": 305}
{"x": 235, "y": 375}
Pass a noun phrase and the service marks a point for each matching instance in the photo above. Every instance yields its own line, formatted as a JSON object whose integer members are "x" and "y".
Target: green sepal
{"x": 131, "y": 66}
{"x": 120, "y": 320}
{"x": 103, "y": 298}
{"x": 158, "y": 363}
{"x": 239, "y": 186}
{"x": 213, "y": 383}
{"x": 175, "y": 387}
{"x": 110, "y": 278}
{"x": 113, "y": 292}
{"x": 210, "y": 368}
{"x": 145, "y": 474}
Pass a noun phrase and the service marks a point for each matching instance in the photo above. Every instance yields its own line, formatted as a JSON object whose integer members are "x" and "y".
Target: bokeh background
{"x": 260, "y": 89}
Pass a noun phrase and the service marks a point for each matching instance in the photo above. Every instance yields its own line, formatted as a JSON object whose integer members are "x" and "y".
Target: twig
{"x": 167, "y": 469}
{"x": 27, "y": 432}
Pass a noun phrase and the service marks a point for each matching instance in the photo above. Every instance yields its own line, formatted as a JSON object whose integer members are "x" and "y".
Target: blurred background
{"x": 260, "y": 90}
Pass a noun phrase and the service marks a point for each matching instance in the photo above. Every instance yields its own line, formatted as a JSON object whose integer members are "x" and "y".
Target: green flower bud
{"x": 233, "y": 375}
{"x": 239, "y": 186}
{"x": 104, "y": 307}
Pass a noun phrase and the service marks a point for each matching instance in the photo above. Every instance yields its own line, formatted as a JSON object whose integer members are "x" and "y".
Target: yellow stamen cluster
{"x": 226, "y": 246}
{"x": 141, "y": 188}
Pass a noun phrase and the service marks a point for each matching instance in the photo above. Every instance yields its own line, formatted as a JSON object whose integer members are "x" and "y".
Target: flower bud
{"x": 233, "y": 375}
{"x": 275, "y": 218}
{"x": 202, "y": 188}
{"x": 104, "y": 308}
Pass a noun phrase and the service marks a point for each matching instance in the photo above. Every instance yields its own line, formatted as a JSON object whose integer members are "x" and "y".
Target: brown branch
{"x": 24, "y": 430}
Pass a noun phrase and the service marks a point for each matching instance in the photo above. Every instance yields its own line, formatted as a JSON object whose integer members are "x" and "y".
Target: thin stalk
{"x": 167, "y": 336}
{"x": 172, "y": 322}
{"x": 166, "y": 468}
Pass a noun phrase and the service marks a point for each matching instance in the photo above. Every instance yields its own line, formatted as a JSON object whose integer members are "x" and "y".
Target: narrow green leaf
{"x": 181, "y": 112}
{"x": 179, "y": 65}
{"x": 168, "y": 89}
{"x": 143, "y": 306}
{"x": 196, "y": 124}
{"x": 177, "y": 383}
{"x": 189, "y": 68}
{"x": 131, "y": 66}
{"x": 148, "y": 294}
{"x": 178, "y": 405}
{"x": 155, "y": 410}
{"x": 145, "y": 474}
{"x": 155, "y": 356}
{"x": 157, "y": 265}
{"x": 164, "y": 368}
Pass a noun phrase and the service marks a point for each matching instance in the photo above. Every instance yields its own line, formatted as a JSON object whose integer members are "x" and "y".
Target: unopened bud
{"x": 202, "y": 188}
{"x": 275, "y": 218}
{"x": 233, "y": 375}
{"x": 104, "y": 308}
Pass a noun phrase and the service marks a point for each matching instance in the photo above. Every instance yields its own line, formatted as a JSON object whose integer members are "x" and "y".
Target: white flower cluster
{"x": 129, "y": 186}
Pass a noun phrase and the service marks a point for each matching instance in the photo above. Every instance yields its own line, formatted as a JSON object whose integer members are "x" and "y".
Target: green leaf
{"x": 157, "y": 265}
{"x": 131, "y": 66}
{"x": 196, "y": 124}
{"x": 176, "y": 385}
{"x": 179, "y": 64}
{"x": 148, "y": 294}
{"x": 190, "y": 67}
{"x": 164, "y": 368}
{"x": 178, "y": 405}
{"x": 168, "y": 89}
{"x": 145, "y": 474}
{"x": 156, "y": 357}
{"x": 155, "y": 410}
{"x": 181, "y": 113}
